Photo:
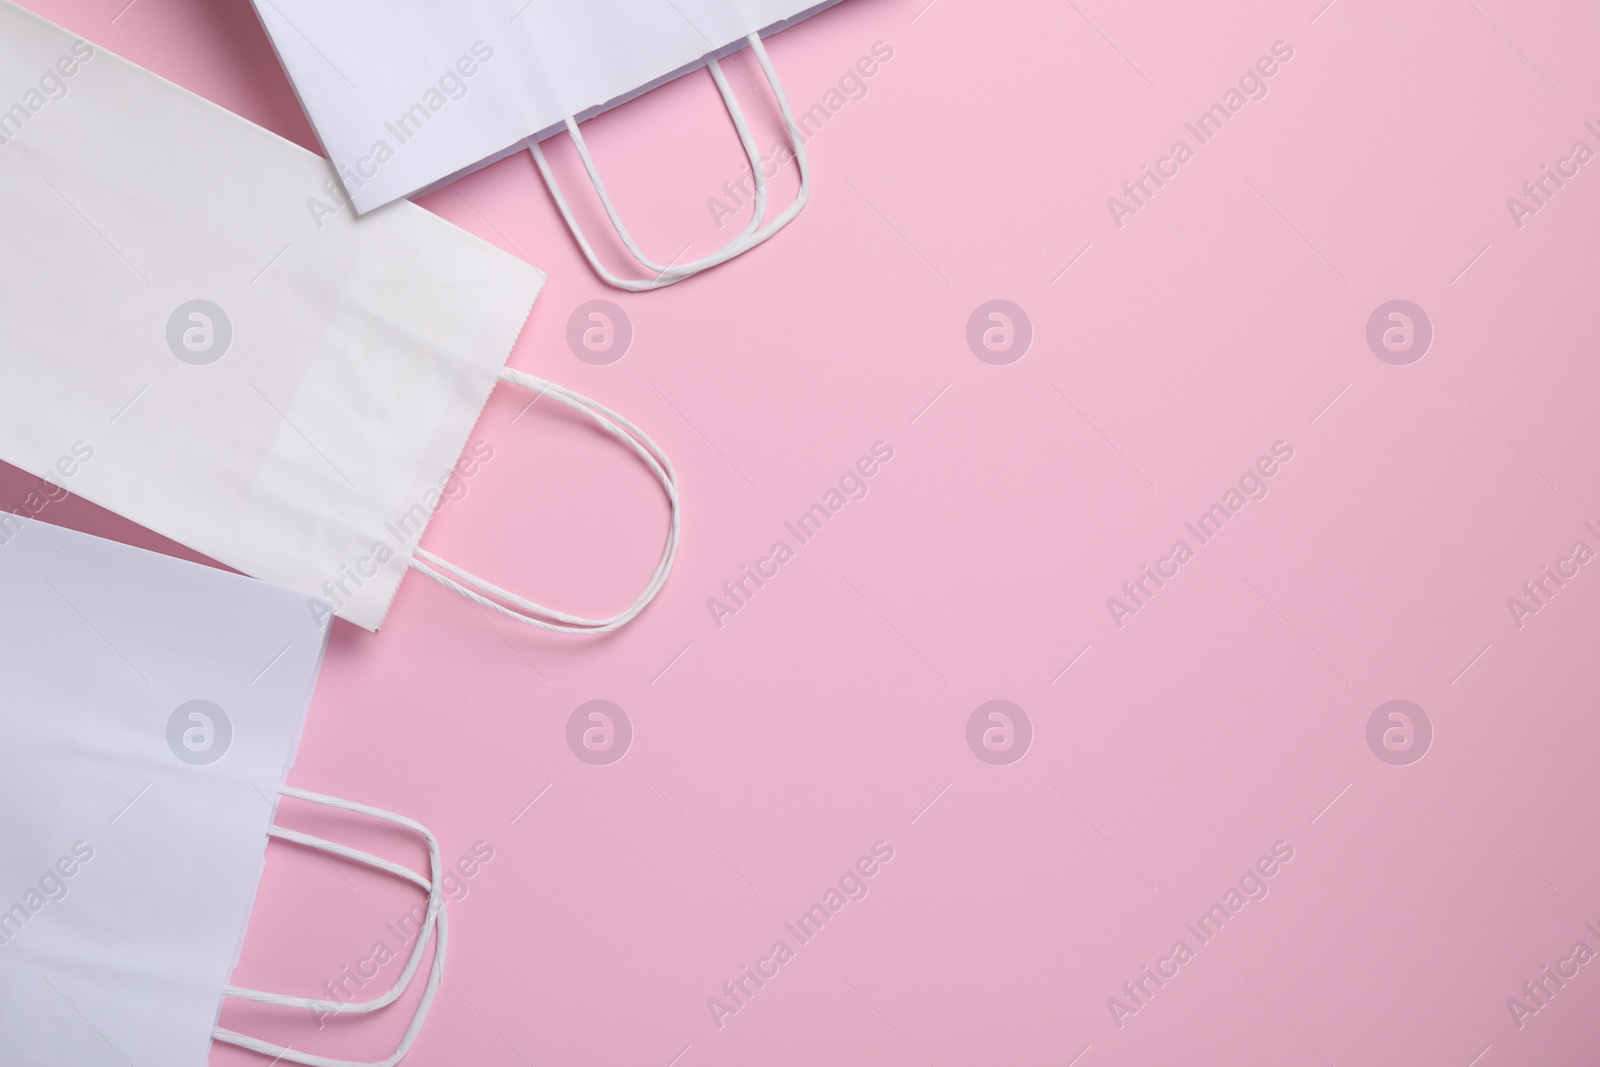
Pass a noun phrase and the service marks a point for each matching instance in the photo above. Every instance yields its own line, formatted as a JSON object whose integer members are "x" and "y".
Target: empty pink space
{"x": 1140, "y": 569}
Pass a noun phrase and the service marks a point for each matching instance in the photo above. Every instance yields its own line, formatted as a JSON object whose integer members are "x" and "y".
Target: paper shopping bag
{"x": 197, "y": 333}
{"x": 407, "y": 94}
{"x": 153, "y": 707}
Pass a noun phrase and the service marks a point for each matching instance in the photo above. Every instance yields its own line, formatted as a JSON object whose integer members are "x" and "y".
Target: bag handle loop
{"x": 752, "y": 153}
{"x": 437, "y": 924}
{"x": 754, "y": 233}
{"x": 520, "y": 608}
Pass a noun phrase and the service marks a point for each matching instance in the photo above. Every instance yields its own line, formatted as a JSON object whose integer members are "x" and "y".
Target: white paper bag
{"x": 407, "y": 94}
{"x": 196, "y": 328}
{"x": 153, "y": 707}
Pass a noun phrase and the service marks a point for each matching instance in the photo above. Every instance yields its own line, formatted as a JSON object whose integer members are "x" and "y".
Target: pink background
{"x": 831, "y": 712}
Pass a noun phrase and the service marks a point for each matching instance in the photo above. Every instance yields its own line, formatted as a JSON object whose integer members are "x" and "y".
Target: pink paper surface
{"x": 1175, "y": 343}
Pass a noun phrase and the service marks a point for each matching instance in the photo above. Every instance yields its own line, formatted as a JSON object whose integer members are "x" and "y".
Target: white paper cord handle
{"x": 754, "y": 234}
{"x": 513, "y": 606}
{"x": 436, "y": 924}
